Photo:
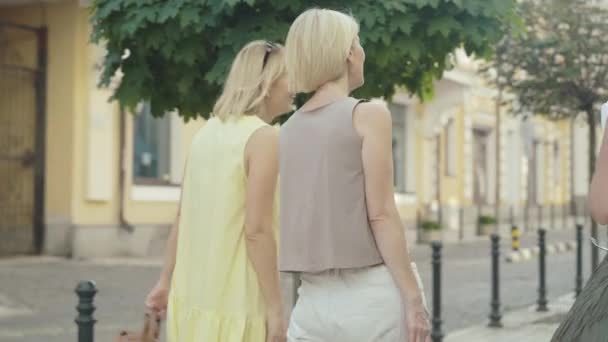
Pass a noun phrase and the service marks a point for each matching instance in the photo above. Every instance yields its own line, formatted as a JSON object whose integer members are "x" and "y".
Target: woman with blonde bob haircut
{"x": 340, "y": 228}
{"x": 220, "y": 282}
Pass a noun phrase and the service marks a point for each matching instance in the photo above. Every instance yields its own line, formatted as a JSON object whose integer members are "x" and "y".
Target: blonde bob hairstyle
{"x": 317, "y": 48}
{"x": 250, "y": 80}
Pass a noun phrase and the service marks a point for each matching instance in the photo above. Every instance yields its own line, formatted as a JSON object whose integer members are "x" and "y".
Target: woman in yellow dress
{"x": 220, "y": 281}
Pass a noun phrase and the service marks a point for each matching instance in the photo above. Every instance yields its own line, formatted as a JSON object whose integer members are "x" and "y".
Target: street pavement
{"x": 524, "y": 325}
{"x": 37, "y": 299}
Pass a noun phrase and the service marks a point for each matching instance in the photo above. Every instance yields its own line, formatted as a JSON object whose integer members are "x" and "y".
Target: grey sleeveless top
{"x": 323, "y": 214}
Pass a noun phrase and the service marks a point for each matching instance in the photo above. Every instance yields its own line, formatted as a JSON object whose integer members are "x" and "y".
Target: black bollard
{"x": 86, "y": 291}
{"x": 436, "y": 334}
{"x": 542, "y": 288}
{"x": 495, "y": 315}
{"x": 579, "y": 260}
{"x": 515, "y": 238}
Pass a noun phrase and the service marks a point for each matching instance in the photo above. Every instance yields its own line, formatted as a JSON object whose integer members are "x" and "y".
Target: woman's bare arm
{"x": 598, "y": 190}
{"x": 262, "y": 172}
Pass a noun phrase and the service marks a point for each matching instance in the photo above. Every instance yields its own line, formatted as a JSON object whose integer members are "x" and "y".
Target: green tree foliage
{"x": 180, "y": 50}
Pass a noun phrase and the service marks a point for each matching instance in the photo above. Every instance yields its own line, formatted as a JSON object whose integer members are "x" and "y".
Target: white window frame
{"x": 155, "y": 193}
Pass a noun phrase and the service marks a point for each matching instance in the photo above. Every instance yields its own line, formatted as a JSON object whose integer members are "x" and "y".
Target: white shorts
{"x": 349, "y": 305}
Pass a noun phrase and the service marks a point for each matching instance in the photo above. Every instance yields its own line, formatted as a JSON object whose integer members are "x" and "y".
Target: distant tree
{"x": 558, "y": 67}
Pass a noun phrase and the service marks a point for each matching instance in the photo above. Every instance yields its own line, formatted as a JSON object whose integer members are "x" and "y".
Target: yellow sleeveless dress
{"x": 215, "y": 296}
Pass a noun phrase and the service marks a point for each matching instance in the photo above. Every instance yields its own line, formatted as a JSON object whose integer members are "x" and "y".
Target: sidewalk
{"x": 525, "y": 325}
{"x": 37, "y": 299}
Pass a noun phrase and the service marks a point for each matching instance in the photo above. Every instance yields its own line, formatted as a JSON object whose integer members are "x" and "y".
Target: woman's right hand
{"x": 417, "y": 321}
{"x": 158, "y": 298}
{"x": 276, "y": 327}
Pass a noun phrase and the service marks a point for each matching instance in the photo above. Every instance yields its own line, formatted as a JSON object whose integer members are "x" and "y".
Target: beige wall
{"x": 565, "y": 150}
{"x": 560, "y": 193}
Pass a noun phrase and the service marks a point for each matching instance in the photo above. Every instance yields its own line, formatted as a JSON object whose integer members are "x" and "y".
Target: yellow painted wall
{"x": 419, "y": 155}
{"x": 565, "y": 151}
{"x": 60, "y": 19}
{"x": 106, "y": 212}
{"x": 561, "y": 129}
{"x": 86, "y": 211}
{"x": 407, "y": 212}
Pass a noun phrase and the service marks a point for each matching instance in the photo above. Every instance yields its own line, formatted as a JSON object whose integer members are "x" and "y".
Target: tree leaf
{"x": 443, "y": 25}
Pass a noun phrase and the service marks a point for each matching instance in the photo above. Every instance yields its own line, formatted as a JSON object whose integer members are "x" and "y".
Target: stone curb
{"x": 529, "y": 252}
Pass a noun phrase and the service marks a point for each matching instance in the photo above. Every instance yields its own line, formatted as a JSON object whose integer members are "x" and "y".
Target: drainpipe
{"x": 124, "y": 224}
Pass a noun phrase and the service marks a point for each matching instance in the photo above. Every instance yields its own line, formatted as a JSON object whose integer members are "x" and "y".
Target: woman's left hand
{"x": 417, "y": 322}
{"x": 158, "y": 298}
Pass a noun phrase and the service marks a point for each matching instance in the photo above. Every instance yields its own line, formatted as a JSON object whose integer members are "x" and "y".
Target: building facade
{"x": 447, "y": 154}
{"x": 80, "y": 177}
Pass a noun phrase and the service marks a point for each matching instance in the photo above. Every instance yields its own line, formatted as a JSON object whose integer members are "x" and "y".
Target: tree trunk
{"x": 592, "y": 156}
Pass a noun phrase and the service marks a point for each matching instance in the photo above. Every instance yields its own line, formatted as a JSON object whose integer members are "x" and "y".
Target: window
{"x": 399, "y": 147}
{"x": 151, "y": 147}
{"x": 450, "y": 148}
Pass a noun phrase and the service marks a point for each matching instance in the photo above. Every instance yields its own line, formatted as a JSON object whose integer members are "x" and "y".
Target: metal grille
{"x": 21, "y": 106}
